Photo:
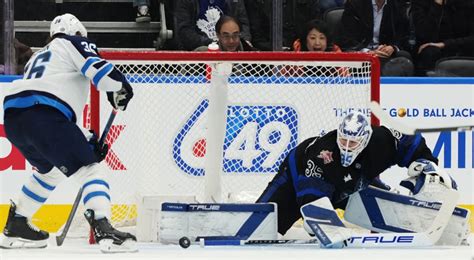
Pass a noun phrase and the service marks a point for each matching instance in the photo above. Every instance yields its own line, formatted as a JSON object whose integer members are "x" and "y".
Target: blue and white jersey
{"x": 59, "y": 75}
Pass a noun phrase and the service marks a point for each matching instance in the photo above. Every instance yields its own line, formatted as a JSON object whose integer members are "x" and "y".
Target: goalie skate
{"x": 19, "y": 232}
{"x": 110, "y": 239}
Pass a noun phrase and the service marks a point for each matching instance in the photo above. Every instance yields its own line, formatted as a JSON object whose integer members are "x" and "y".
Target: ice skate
{"x": 110, "y": 239}
{"x": 19, "y": 232}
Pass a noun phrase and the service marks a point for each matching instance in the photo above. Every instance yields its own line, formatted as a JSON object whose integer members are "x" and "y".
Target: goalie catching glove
{"x": 120, "y": 99}
{"x": 427, "y": 181}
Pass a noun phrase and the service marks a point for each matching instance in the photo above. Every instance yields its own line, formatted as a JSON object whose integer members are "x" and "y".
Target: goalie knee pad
{"x": 96, "y": 190}
{"x": 36, "y": 191}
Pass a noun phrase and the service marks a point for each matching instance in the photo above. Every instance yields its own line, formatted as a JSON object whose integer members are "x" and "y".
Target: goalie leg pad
{"x": 321, "y": 218}
{"x": 239, "y": 221}
{"x": 383, "y": 211}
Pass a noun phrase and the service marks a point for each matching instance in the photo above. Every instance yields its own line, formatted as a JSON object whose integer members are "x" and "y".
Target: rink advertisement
{"x": 430, "y": 102}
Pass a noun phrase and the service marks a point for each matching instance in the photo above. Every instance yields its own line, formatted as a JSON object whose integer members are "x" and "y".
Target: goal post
{"x": 215, "y": 124}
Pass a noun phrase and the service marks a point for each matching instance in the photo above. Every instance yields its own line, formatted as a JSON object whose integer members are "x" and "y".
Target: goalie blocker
{"x": 242, "y": 221}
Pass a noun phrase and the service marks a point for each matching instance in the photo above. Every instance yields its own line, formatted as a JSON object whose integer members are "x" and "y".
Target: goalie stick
{"x": 381, "y": 240}
{"x": 404, "y": 129}
{"x": 185, "y": 242}
{"x": 60, "y": 238}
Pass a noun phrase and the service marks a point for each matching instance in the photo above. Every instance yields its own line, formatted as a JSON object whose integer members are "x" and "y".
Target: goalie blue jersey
{"x": 59, "y": 75}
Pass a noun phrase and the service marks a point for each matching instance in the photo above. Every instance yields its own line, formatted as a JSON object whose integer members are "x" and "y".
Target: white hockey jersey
{"x": 59, "y": 75}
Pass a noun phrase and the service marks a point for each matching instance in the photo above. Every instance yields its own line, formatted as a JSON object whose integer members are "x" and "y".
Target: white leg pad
{"x": 321, "y": 218}
{"x": 384, "y": 211}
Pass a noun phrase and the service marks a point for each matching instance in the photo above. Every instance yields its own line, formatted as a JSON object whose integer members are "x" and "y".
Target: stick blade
{"x": 59, "y": 240}
{"x": 385, "y": 119}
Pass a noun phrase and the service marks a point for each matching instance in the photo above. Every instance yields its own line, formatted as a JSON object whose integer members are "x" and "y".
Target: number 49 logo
{"x": 257, "y": 139}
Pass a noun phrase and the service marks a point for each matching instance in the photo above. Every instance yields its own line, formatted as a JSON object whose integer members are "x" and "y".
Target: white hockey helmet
{"x": 353, "y": 135}
{"x": 67, "y": 24}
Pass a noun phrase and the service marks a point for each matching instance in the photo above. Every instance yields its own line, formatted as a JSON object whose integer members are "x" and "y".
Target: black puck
{"x": 184, "y": 242}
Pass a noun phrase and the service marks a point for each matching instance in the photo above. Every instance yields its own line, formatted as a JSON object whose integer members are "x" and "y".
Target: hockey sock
{"x": 96, "y": 193}
{"x": 36, "y": 191}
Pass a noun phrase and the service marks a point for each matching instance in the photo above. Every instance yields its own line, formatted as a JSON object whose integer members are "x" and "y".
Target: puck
{"x": 184, "y": 242}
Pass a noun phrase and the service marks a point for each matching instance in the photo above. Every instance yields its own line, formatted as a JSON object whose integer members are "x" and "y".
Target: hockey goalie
{"x": 340, "y": 170}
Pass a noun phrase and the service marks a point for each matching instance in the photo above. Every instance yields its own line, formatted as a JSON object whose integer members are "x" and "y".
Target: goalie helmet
{"x": 67, "y": 24}
{"x": 353, "y": 135}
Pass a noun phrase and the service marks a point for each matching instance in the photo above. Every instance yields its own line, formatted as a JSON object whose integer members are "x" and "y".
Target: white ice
{"x": 80, "y": 249}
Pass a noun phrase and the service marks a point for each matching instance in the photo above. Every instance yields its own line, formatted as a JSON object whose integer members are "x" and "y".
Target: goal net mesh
{"x": 273, "y": 102}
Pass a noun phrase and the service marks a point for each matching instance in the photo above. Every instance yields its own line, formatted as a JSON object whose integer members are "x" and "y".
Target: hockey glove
{"x": 120, "y": 99}
{"x": 419, "y": 166}
{"x": 429, "y": 184}
{"x": 99, "y": 151}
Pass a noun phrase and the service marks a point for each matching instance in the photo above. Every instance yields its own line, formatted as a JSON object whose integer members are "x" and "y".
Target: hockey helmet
{"x": 67, "y": 24}
{"x": 353, "y": 135}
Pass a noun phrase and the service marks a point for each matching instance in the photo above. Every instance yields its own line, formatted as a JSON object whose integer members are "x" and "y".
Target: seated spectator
{"x": 443, "y": 28}
{"x": 143, "y": 14}
{"x": 22, "y": 55}
{"x": 228, "y": 35}
{"x": 196, "y": 20}
{"x": 316, "y": 37}
{"x": 380, "y": 27}
{"x": 296, "y": 13}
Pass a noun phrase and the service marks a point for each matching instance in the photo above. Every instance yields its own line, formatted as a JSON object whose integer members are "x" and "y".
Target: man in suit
{"x": 380, "y": 27}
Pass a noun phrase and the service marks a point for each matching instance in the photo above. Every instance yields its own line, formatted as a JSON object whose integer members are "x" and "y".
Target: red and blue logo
{"x": 257, "y": 139}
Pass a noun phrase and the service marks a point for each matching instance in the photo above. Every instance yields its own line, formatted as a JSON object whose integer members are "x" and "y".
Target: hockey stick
{"x": 60, "y": 238}
{"x": 404, "y": 129}
{"x": 185, "y": 242}
{"x": 381, "y": 240}
{"x": 217, "y": 242}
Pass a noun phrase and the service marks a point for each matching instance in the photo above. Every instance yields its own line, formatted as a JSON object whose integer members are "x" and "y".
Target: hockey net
{"x": 217, "y": 125}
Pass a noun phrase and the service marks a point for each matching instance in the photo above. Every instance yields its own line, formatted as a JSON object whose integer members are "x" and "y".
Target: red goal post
{"x": 246, "y": 110}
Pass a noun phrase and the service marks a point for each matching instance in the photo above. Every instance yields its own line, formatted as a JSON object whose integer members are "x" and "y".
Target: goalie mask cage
{"x": 216, "y": 125}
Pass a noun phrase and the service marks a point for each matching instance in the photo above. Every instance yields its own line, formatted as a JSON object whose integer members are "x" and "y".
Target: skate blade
{"x": 16, "y": 242}
{"x": 108, "y": 247}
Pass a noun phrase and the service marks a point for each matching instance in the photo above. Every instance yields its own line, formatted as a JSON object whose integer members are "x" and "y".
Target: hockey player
{"x": 340, "y": 163}
{"x": 40, "y": 119}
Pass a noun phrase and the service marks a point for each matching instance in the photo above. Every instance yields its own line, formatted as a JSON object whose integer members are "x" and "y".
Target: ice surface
{"x": 80, "y": 249}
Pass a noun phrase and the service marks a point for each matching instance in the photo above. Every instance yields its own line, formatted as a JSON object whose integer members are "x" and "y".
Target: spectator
{"x": 22, "y": 55}
{"x": 228, "y": 36}
{"x": 325, "y": 5}
{"x": 443, "y": 28}
{"x": 296, "y": 13}
{"x": 196, "y": 20}
{"x": 143, "y": 14}
{"x": 380, "y": 27}
{"x": 316, "y": 37}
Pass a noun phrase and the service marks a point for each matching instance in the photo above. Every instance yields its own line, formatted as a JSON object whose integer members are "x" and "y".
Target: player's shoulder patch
{"x": 396, "y": 133}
